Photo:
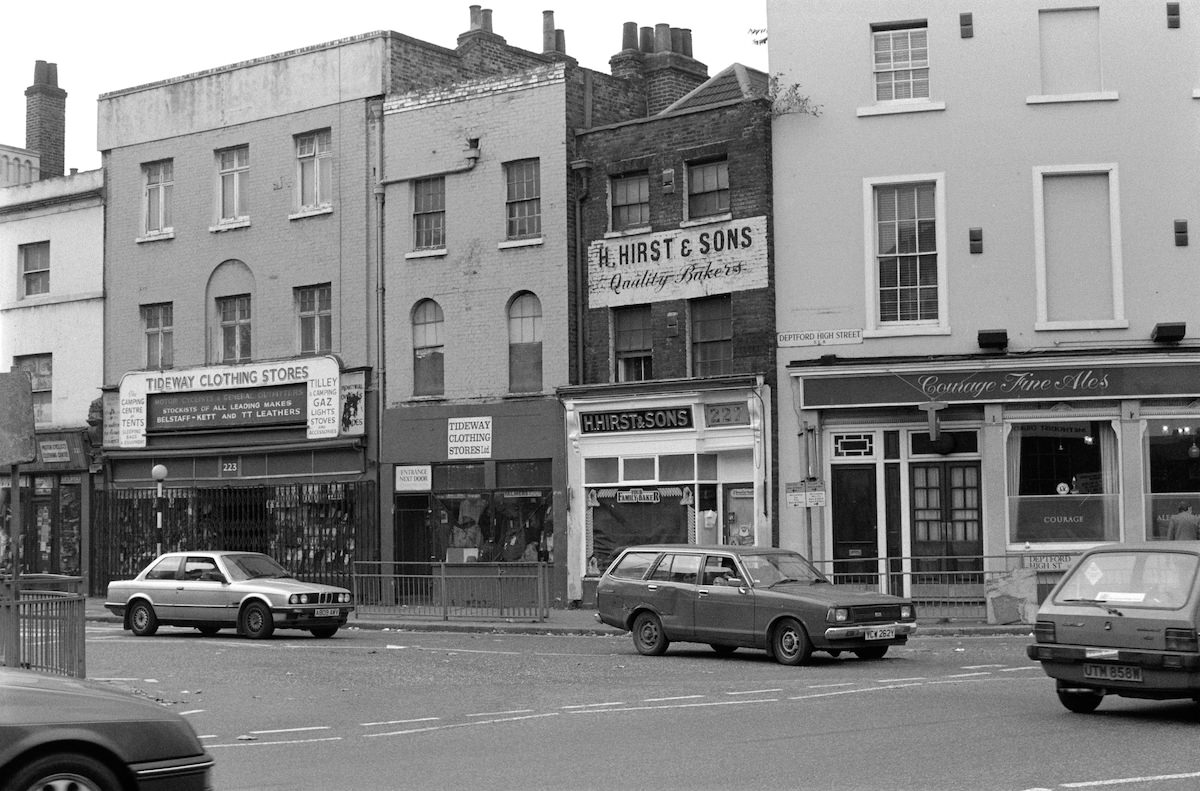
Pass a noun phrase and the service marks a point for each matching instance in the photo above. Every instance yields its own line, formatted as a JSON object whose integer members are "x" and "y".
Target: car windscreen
{"x": 1151, "y": 579}
{"x": 251, "y": 566}
{"x": 773, "y": 568}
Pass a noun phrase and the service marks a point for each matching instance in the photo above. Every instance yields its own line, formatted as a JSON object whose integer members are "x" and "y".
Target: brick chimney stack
{"x": 46, "y": 119}
{"x": 661, "y": 59}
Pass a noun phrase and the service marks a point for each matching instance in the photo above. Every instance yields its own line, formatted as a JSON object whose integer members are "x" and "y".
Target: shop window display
{"x": 1172, "y": 446}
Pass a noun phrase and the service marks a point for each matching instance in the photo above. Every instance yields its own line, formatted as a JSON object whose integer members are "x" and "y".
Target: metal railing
{"x": 451, "y": 590}
{"x": 43, "y": 628}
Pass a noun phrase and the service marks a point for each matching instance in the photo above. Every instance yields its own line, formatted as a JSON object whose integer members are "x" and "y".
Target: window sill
{"x": 901, "y": 107}
{"x": 1084, "y": 324}
{"x": 906, "y": 329}
{"x": 314, "y": 211}
{"x": 710, "y": 220}
{"x": 231, "y": 225}
{"x": 439, "y": 253}
{"x": 641, "y": 229}
{"x": 1066, "y": 98}
{"x": 157, "y": 236}
{"x": 428, "y": 398}
{"x": 533, "y": 242}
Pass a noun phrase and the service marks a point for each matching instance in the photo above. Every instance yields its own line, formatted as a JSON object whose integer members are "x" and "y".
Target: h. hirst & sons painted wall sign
{"x": 687, "y": 263}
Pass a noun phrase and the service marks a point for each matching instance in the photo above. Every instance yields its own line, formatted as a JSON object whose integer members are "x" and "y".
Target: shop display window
{"x": 1172, "y": 448}
{"x": 1062, "y": 482}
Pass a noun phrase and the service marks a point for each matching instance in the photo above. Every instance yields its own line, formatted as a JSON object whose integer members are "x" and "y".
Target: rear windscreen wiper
{"x": 1101, "y": 603}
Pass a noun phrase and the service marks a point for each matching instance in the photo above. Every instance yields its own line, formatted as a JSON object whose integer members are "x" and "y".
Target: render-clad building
{"x": 984, "y": 290}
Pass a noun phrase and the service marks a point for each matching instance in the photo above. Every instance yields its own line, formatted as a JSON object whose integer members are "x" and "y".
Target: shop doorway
{"x": 412, "y": 535}
{"x": 947, "y": 535}
{"x": 854, "y": 506}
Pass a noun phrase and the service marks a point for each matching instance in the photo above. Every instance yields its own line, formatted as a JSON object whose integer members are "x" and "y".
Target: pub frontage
{"x": 988, "y": 463}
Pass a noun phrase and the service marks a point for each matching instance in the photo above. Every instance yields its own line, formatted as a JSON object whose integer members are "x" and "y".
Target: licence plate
{"x": 885, "y": 633}
{"x": 325, "y": 612}
{"x": 1112, "y": 672}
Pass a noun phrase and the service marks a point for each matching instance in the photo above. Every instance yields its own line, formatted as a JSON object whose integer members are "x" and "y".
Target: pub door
{"x": 947, "y": 535}
{"x": 855, "y": 523}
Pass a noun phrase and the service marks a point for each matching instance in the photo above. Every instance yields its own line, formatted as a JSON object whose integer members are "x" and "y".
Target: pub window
{"x": 1172, "y": 445}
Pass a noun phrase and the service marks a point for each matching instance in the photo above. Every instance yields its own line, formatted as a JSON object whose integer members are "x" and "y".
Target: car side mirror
{"x": 734, "y": 582}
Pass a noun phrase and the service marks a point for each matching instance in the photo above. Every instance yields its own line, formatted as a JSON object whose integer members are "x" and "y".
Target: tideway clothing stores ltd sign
{"x": 687, "y": 263}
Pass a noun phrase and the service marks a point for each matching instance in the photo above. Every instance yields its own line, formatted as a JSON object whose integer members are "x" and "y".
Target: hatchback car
{"x": 210, "y": 591}
{"x": 744, "y": 596}
{"x": 1123, "y": 621}
{"x": 60, "y": 733}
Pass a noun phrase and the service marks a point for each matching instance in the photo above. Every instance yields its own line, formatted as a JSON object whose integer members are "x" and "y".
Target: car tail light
{"x": 1182, "y": 640}
{"x": 838, "y": 615}
{"x": 1044, "y": 632}
{"x": 907, "y": 612}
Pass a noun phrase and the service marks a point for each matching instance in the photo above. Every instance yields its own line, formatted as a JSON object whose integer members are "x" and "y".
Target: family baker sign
{"x": 992, "y": 385}
{"x": 685, "y": 263}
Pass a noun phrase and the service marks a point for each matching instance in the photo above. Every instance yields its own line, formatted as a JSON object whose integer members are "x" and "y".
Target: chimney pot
{"x": 687, "y": 42}
{"x": 662, "y": 37}
{"x": 487, "y": 20}
{"x": 629, "y": 36}
{"x": 475, "y": 17}
{"x": 547, "y": 31}
{"x": 646, "y": 40}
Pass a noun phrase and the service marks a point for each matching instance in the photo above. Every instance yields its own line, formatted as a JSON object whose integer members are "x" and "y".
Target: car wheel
{"x": 789, "y": 643}
{"x": 142, "y": 620}
{"x": 324, "y": 631}
{"x": 723, "y": 650}
{"x": 648, "y": 636}
{"x": 64, "y": 771}
{"x": 257, "y": 622}
{"x": 208, "y": 631}
{"x": 1080, "y": 701}
{"x": 874, "y": 652}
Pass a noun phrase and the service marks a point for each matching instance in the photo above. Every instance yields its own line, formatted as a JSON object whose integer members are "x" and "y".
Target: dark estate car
{"x": 743, "y": 596}
{"x": 59, "y": 733}
{"x": 1123, "y": 621}
{"x": 247, "y": 591}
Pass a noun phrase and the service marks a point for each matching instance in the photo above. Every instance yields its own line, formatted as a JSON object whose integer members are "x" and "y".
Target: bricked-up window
{"x": 158, "y": 323}
{"x": 712, "y": 336}
{"x": 159, "y": 180}
{"x": 315, "y": 313}
{"x": 630, "y": 202}
{"x": 523, "y": 199}
{"x": 428, "y": 349}
{"x": 429, "y": 213}
{"x": 234, "y": 315}
{"x": 906, "y": 252}
{"x": 40, "y": 368}
{"x": 35, "y": 268}
{"x": 708, "y": 189}
{"x": 314, "y": 159}
{"x": 234, "y": 187}
{"x": 633, "y": 343}
{"x": 901, "y": 65}
{"x": 525, "y": 344}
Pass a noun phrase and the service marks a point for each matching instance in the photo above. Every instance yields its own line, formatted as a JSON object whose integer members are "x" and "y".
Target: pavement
{"x": 579, "y": 621}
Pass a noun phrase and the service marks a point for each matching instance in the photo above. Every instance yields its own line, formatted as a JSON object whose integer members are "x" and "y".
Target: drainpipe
{"x": 383, "y": 494}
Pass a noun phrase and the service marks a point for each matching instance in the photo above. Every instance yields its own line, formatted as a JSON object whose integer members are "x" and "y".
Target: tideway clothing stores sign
{"x": 717, "y": 258}
{"x": 1013, "y": 384}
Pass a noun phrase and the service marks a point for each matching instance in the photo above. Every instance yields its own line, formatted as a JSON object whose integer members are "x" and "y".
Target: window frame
{"x": 238, "y": 175}
{"x": 619, "y": 205}
{"x": 422, "y": 327}
{"x": 318, "y": 159}
{"x": 41, "y": 275}
{"x": 160, "y": 337}
{"x": 523, "y": 199}
{"x": 42, "y": 384}
{"x": 891, "y": 31}
{"x": 314, "y": 318}
{"x": 695, "y": 176}
{"x": 157, "y": 195}
{"x": 875, "y": 327}
{"x": 239, "y": 327}
{"x": 429, "y": 207}
{"x": 633, "y": 362}
{"x": 525, "y": 342}
{"x": 725, "y": 340}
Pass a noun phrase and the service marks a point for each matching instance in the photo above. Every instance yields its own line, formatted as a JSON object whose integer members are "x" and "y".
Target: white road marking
{"x": 755, "y": 691}
{"x": 679, "y": 706}
{"x": 824, "y": 686}
{"x": 1126, "y": 780}
{"x": 979, "y": 667}
{"x": 667, "y": 700}
{"x": 293, "y": 730}
{"x": 854, "y": 691}
{"x": 273, "y": 744}
{"x": 193, "y": 711}
{"x": 499, "y": 713}
{"x": 593, "y": 705}
{"x": 397, "y": 722}
{"x": 896, "y": 680}
{"x": 967, "y": 675}
{"x": 459, "y": 725}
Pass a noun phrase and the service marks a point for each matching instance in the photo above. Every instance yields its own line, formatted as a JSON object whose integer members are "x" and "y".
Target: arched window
{"x": 428, "y": 349}
{"x": 525, "y": 344}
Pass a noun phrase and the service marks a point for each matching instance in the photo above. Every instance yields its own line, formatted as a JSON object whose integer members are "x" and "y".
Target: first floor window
{"x": 158, "y": 323}
{"x": 525, "y": 344}
{"x": 429, "y": 213}
{"x": 35, "y": 268}
{"x": 633, "y": 343}
{"x": 233, "y": 188}
{"x": 523, "y": 199}
{"x": 40, "y": 368}
{"x": 315, "y": 312}
{"x": 630, "y": 201}
{"x": 314, "y": 158}
{"x": 708, "y": 189}
{"x": 234, "y": 316}
{"x": 906, "y": 253}
{"x": 712, "y": 336}
{"x": 160, "y": 181}
{"x": 428, "y": 349}
{"x": 901, "y": 65}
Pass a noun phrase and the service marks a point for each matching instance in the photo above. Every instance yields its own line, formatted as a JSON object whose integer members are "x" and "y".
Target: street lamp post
{"x": 159, "y": 473}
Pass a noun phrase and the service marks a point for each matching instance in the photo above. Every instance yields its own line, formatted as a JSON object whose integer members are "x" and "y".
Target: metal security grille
{"x": 316, "y": 530}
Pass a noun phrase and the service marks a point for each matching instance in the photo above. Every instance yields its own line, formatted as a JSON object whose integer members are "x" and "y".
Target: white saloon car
{"x": 210, "y": 591}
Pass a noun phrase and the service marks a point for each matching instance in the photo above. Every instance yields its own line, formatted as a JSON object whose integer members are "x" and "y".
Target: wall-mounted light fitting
{"x": 966, "y": 25}
{"x": 1172, "y": 15}
{"x": 993, "y": 339}
{"x": 975, "y": 237}
{"x": 1169, "y": 332}
{"x": 1181, "y": 233}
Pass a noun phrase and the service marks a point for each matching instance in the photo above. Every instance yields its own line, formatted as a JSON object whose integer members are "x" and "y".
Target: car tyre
{"x": 723, "y": 650}
{"x": 872, "y": 653}
{"x": 1080, "y": 701}
{"x": 208, "y": 631}
{"x": 324, "y": 632}
{"x": 648, "y": 636}
{"x": 64, "y": 770}
{"x": 142, "y": 620}
{"x": 257, "y": 622}
{"x": 789, "y": 643}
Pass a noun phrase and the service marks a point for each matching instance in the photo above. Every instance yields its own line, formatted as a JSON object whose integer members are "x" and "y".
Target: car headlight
{"x": 344, "y": 598}
{"x": 298, "y": 598}
{"x": 838, "y": 615}
{"x": 906, "y": 612}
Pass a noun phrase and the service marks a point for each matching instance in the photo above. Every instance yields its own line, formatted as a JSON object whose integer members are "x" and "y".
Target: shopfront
{"x": 688, "y": 463}
{"x": 980, "y": 464}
